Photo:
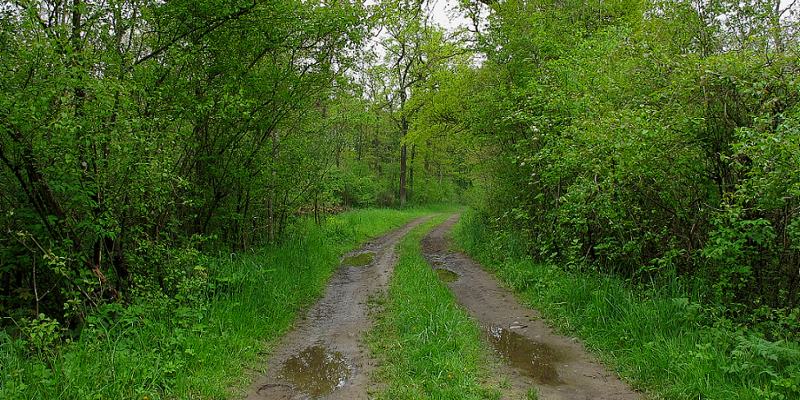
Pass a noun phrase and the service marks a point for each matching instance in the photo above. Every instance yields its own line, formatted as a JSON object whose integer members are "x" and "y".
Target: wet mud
{"x": 316, "y": 371}
{"x": 534, "y": 359}
{"x": 323, "y": 356}
{"x": 527, "y": 352}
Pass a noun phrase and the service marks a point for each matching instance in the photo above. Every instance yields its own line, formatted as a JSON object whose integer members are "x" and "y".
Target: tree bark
{"x": 411, "y": 172}
{"x": 403, "y": 160}
{"x": 403, "y": 152}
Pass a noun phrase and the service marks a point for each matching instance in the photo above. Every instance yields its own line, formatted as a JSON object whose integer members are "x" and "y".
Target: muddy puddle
{"x": 316, "y": 371}
{"x": 359, "y": 260}
{"x": 534, "y": 359}
{"x": 446, "y": 275}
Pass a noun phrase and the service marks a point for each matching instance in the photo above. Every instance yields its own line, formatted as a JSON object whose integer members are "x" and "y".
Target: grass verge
{"x": 196, "y": 344}
{"x": 655, "y": 337}
{"x": 429, "y": 347}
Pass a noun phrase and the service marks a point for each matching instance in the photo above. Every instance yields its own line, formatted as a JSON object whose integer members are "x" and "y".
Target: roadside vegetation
{"x": 661, "y": 337}
{"x": 193, "y": 343}
{"x": 428, "y": 346}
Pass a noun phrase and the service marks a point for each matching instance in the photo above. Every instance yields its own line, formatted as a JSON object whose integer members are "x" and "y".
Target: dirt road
{"x": 322, "y": 357}
{"x": 529, "y": 352}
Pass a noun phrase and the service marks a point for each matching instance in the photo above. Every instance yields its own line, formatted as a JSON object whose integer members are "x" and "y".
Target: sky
{"x": 443, "y": 14}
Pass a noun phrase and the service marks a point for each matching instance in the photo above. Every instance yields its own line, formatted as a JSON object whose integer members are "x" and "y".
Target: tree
{"x": 128, "y": 129}
{"x": 414, "y": 50}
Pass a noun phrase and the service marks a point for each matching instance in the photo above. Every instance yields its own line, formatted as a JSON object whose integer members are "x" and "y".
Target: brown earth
{"x": 527, "y": 352}
{"x": 323, "y": 356}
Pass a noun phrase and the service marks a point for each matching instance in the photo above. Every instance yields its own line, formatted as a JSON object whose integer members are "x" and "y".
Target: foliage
{"x": 645, "y": 139}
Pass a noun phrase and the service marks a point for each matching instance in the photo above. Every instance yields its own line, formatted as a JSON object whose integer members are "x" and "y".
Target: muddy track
{"x": 323, "y": 357}
{"x": 528, "y": 352}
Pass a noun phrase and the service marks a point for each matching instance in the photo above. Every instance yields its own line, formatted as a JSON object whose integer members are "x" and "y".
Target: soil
{"x": 528, "y": 353}
{"x": 323, "y": 356}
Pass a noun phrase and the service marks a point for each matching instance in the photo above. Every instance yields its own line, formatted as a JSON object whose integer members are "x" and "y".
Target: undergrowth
{"x": 429, "y": 347}
{"x": 225, "y": 316}
{"x": 656, "y": 336}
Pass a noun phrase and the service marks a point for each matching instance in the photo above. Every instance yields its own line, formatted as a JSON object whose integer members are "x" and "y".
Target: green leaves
{"x": 643, "y": 139}
{"x": 148, "y": 122}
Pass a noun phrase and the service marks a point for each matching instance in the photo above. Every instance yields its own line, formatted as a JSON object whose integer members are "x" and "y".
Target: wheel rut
{"x": 527, "y": 352}
{"x": 323, "y": 356}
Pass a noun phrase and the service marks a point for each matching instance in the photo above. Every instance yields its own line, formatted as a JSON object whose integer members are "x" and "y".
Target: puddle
{"x": 534, "y": 359}
{"x": 359, "y": 260}
{"x": 316, "y": 371}
{"x": 446, "y": 275}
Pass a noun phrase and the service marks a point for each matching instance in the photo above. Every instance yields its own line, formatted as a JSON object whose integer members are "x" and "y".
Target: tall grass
{"x": 429, "y": 347}
{"x": 204, "y": 342}
{"x": 655, "y": 337}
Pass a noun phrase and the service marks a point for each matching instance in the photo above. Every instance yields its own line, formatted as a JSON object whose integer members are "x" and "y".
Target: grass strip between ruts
{"x": 428, "y": 346}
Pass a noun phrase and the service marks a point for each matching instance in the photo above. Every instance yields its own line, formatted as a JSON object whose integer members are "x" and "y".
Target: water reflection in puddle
{"x": 534, "y": 359}
{"x": 316, "y": 371}
{"x": 446, "y": 275}
{"x": 358, "y": 260}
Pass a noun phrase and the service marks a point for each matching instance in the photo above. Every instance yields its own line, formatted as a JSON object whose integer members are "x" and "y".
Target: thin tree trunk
{"x": 403, "y": 160}
{"x": 274, "y": 183}
{"x": 403, "y": 151}
{"x": 411, "y": 172}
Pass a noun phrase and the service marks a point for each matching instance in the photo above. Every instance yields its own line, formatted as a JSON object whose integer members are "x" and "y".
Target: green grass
{"x": 655, "y": 337}
{"x": 429, "y": 347}
{"x": 202, "y": 343}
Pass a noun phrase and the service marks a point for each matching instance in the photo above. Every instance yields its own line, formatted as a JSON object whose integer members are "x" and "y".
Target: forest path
{"x": 529, "y": 354}
{"x": 323, "y": 356}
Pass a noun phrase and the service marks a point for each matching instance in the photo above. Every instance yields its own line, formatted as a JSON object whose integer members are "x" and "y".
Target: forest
{"x": 179, "y": 180}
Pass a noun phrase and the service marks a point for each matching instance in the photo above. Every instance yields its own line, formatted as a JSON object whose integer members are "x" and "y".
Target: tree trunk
{"x": 403, "y": 151}
{"x": 411, "y": 172}
{"x": 403, "y": 160}
{"x": 273, "y": 195}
